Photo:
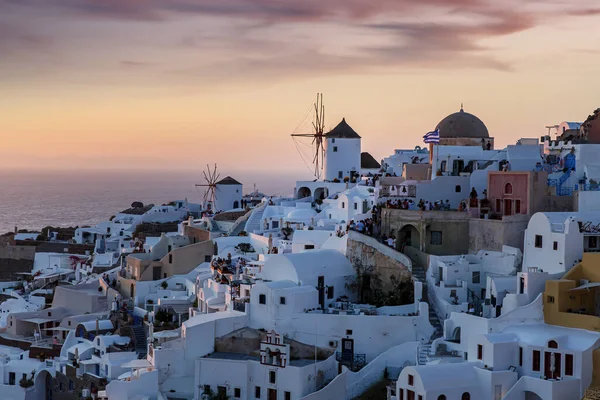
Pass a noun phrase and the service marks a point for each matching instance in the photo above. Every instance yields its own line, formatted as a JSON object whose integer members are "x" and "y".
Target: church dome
{"x": 462, "y": 125}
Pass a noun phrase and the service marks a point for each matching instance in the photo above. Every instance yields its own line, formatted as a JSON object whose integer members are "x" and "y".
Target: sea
{"x": 35, "y": 199}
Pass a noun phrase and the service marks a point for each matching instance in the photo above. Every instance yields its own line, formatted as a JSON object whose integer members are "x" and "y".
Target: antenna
{"x": 211, "y": 178}
{"x": 317, "y": 142}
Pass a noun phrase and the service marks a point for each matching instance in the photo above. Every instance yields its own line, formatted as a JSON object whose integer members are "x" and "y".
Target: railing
{"x": 354, "y": 363}
{"x": 592, "y": 394}
{"x": 589, "y": 187}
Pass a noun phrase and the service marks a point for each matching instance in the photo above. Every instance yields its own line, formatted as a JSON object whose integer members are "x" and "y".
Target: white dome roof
{"x": 302, "y": 213}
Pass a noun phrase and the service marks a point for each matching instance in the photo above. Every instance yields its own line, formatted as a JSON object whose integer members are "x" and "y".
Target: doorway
{"x": 321, "y": 289}
{"x": 272, "y": 394}
{"x": 552, "y": 365}
{"x": 507, "y": 207}
{"x": 458, "y": 166}
{"x": 347, "y": 350}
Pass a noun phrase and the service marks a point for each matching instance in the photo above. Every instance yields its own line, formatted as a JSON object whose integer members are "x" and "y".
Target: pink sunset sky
{"x": 176, "y": 84}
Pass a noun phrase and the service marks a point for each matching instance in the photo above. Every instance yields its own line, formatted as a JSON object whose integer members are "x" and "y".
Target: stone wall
{"x": 491, "y": 234}
{"x": 10, "y": 267}
{"x": 17, "y": 252}
{"x": 386, "y": 261}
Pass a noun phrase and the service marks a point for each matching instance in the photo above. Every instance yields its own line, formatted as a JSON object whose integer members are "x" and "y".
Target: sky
{"x": 176, "y": 84}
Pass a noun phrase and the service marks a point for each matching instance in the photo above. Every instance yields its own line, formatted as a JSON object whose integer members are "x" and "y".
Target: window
{"x": 343, "y": 205}
{"x": 441, "y": 397}
{"x": 262, "y": 299}
{"x": 272, "y": 377}
{"x": 538, "y": 241}
{"x": 593, "y": 242}
{"x": 555, "y": 245}
{"x": 480, "y": 352}
{"x": 275, "y": 224}
{"x": 257, "y": 392}
{"x": 476, "y": 276}
{"x": 457, "y": 189}
{"x": 335, "y": 149}
{"x": 246, "y": 293}
{"x": 333, "y": 140}
{"x": 452, "y": 292}
{"x": 550, "y": 299}
{"x": 206, "y": 389}
{"x": 356, "y": 206}
{"x": 552, "y": 344}
{"x": 11, "y": 378}
{"x": 443, "y": 166}
{"x": 309, "y": 246}
{"x": 520, "y": 356}
{"x": 330, "y": 292}
{"x": 508, "y": 188}
{"x": 207, "y": 258}
{"x": 569, "y": 364}
{"x": 436, "y": 237}
{"x": 237, "y": 393}
{"x": 170, "y": 258}
{"x": 49, "y": 313}
{"x": 287, "y": 396}
{"x": 222, "y": 391}
{"x": 411, "y": 380}
{"x": 535, "y": 363}
{"x": 466, "y": 396}
{"x": 69, "y": 323}
{"x": 340, "y": 174}
{"x": 282, "y": 300}
{"x": 348, "y": 332}
{"x": 498, "y": 205}
{"x": 517, "y": 206}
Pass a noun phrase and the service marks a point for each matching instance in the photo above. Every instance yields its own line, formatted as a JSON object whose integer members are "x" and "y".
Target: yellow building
{"x": 574, "y": 302}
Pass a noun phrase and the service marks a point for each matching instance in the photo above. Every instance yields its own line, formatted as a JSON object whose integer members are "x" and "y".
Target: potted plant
{"x": 164, "y": 285}
{"x": 286, "y": 232}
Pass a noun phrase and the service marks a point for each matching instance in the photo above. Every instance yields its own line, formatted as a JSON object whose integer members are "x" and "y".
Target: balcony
{"x": 353, "y": 362}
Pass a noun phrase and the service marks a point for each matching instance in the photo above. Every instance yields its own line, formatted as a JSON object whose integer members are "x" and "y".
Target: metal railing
{"x": 354, "y": 363}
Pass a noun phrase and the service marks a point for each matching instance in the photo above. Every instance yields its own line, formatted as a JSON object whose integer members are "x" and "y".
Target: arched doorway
{"x": 409, "y": 236}
{"x": 43, "y": 383}
{"x": 456, "y": 335}
{"x": 236, "y": 204}
{"x": 532, "y": 396}
{"x": 321, "y": 193}
{"x": 304, "y": 192}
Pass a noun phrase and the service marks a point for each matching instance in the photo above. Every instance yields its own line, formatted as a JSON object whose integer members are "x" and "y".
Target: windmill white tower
{"x": 220, "y": 195}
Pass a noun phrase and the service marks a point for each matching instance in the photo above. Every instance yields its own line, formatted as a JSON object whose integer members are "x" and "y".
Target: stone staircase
{"x": 139, "y": 335}
{"x": 253, "y": 223}
{"x": 241, "y": 226}
{"x": 425, "y": 348}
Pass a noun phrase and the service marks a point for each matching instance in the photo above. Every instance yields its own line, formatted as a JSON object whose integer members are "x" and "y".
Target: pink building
{"x": 517, "y": 192}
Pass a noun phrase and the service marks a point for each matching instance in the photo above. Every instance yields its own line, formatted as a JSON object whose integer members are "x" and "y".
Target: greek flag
{"x": 432, "y": 137}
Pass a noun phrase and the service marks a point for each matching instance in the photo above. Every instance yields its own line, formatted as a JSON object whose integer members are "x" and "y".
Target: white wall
{"x": 372, "y": 334}
{"x": 145, "y": 385}
{"x": 570, "y": 246}
{"x": 227, "y": 195}
{"x": 588, "y": 201}
{"x": 345, "y": 159}
{"x": 247, "y": 374}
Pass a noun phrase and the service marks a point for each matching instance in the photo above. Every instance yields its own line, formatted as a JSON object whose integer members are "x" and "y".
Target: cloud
{"x": 256, "y": 40}
{"x": 136, "y": 64}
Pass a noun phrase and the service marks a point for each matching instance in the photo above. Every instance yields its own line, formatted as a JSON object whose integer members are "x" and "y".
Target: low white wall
{"x": 336, "y": 390}
{"x": 145, "y": 385}
{"x": 349, "y": 385}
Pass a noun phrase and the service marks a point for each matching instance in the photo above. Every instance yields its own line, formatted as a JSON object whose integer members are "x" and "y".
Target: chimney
{"x": 16, "y": 229}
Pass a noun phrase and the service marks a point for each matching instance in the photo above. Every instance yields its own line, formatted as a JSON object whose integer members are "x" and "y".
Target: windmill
{"x": 317, "y": 136}
{"x": 211, "y": 178}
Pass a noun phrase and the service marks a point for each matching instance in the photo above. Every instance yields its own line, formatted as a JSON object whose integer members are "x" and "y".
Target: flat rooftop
{"x": 245, "y": 357}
